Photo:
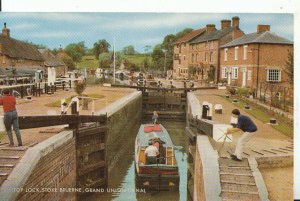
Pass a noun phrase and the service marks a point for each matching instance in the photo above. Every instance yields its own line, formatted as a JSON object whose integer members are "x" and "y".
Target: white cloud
{"x": 22, "y": 26}
{"x": 162, "y": 21}
{"x": 57, "y": 34}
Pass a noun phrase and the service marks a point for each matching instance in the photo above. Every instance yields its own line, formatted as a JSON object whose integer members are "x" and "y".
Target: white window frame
{"x": 236, "y": 53}
{"x": 224, "y": 72}
{"x": 225, "y": 54}
{"x": 234, "y": 72}
{"x": 273, "y": 71}
{"x": 249, "y": 75}
{"x": 245, "y": 51}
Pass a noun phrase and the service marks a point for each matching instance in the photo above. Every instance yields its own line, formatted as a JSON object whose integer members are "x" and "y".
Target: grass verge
{"x": 68, "y": 100}
{"x": 264, "y": 115}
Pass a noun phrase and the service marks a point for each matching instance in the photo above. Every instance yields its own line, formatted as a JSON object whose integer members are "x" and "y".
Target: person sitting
{"x": 155, "y": 117}
{"x": 152, "y": 153}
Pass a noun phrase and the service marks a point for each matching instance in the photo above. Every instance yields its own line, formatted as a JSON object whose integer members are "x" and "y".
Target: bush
{"x": 232, "y": 91}
{"x": 80, "y": 86}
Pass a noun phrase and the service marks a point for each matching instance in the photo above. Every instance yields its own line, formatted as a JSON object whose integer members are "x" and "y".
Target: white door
{"x": 228, "y": 76}
{"x": 244, "y": 79}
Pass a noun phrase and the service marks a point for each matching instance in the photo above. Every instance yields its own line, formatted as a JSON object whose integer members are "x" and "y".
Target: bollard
{"x": 273, "y": 121}
{"x": 218, "y": 109}
{"x": 235, "y": 100}
{"x": 39, "y": 89}
{"x": 247, "y": 107}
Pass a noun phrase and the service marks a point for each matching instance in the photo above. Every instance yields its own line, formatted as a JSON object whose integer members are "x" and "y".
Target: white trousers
{"x": 241, "y": 143}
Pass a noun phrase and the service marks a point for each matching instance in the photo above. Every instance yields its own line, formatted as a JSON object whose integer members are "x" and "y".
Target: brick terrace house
{"x": 204, "y": 52}
{"x": 54, "y": 61}
{"x": 18, "y": 54}
{"x": 181, "y": 52}
{"x": 254, "y": 58}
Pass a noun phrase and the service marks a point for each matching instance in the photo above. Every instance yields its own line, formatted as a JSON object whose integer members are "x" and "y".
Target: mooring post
{"x": 63, "y": 86}
{"x": 22, "y": 92}
{"x": 39, "y": 89}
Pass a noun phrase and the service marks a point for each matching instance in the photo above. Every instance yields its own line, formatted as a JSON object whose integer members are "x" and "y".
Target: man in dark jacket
{"x": 10, "y": 116}
{"x": 245, "y": 124}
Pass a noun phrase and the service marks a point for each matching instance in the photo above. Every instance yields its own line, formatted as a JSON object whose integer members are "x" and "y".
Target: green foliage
{"x": 290, "y": 67}
{"x": 158, "y": 57}
{"x": 69, "y": 63}
{"x": 105, "y": 60}
{"x": 231, "y": 91}
{"x": 244, "y": 92}
{"x": 88, "y": 62}
{"x": 183, "y": 32}
{"x": 76, "y": 51}
{"x": 264, "y": 115}
{"x": 2, "y": 134}
{"x": 128, "y": 50}
{"x": 80, "y": 86}
{"x": 100, "y": 47}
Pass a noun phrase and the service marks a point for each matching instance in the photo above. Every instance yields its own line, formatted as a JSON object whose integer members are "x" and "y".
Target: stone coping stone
{"x": 26, "y": 165}
{"x": 211, "y": 176}
{"x": 259, "y": 181}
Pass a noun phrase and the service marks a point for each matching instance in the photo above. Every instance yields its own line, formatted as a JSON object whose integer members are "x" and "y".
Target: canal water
{"x": 121, "y": 184}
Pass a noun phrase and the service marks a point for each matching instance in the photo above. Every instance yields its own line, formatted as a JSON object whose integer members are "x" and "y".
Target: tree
{"x": 101, "y": 46}
{"x": 183, "y": 32}
{"x": 290, "y": 67}
{"x": 129, "y": 50}
{"x": 80, "y": 86}
{"x": 76, "y": 51}
{"x": 158, "y": 57}
{"x": 105, "y": 60}
{"x": 69, "y": 63}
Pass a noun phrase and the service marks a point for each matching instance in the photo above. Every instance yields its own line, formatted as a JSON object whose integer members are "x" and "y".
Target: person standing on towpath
{"x": 10, "y": 117}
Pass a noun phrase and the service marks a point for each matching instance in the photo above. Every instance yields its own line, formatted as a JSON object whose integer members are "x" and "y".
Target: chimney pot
{"x": 5, "y": 31}
{"x": 262, "y": 28}
{"x": 235, "y": 22}
{"x": 210, "y": 28}
{"x": 225, "y": 24}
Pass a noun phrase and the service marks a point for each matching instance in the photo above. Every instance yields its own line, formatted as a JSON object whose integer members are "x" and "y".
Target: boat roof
{"x": 144, "y": 137}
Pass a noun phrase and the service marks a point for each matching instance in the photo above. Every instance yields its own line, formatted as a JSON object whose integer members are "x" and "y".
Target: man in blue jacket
{"x": 245, "y": 124}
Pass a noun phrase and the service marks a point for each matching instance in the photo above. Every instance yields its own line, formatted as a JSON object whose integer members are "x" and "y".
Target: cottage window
{"x": 224, "y": 72}
{"x": 192, "y": 58}
{"x": 236, "y": 51}
{"x": 225, "y": 54}
{"x": 274, "y": 75}
{"x": 183, "y": 57}
{"x": 245, "y": 51}
{"x": 235, "y": 71}
{"x": 249, "y": 74}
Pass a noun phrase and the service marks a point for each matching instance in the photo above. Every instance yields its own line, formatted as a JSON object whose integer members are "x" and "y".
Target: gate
{"x": 90, "y": 157}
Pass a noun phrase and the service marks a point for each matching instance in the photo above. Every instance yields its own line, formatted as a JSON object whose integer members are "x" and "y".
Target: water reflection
{"x": 121, "y": 185}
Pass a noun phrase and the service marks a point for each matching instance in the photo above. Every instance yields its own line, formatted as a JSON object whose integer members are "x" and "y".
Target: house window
{"x": 274, "y": 75}
{"x": 245, "y": 51}
{"x": 234, "y": 74}
{"x": 225, "y": 54}
{"x": 179, "y": 61}
{"x": 224, "y": 72}
{"x": 211, "y": 56}
{"x": 249, "y": 74}
{"x": 177, "y": 46}
{"x": 192, "y": 58}
{"x": 236, "y": 51}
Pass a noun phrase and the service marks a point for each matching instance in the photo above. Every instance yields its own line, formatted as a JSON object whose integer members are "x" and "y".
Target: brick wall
{"x": 182, "y": 50}
{"x": 55, "y": 170}
{"x": 266, "y": 55}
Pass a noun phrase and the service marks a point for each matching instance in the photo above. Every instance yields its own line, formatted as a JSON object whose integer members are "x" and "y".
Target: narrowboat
{"x": 163, "y": 175}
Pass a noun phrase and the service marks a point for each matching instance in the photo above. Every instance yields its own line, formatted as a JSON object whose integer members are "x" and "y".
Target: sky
{"x": 137, "y": 29}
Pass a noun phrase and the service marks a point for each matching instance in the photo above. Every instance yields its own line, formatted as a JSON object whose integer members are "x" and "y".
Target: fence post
{"x": 39, "y": 89}
{"x": 22, "y": 92}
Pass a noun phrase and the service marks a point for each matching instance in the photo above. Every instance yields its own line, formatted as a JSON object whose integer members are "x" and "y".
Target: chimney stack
{"x": 5, "y": 31}
{"x": 210, "y": 28}
{"x": 262, "y": 28}
{"x": 225, "y": 24}
{"x": 235, "y": 22}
